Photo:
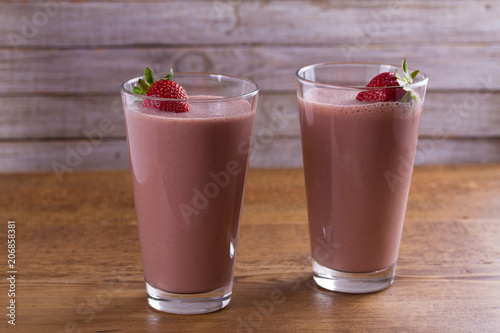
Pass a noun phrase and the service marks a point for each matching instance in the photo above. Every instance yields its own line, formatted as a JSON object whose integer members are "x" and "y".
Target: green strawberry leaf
{"x": 170, "y": 74}
{"x": 405, "y": 81}
{"x": 137, "y": 90}
{"x": 144, "y": 85}
{"x": 149, "y": 75}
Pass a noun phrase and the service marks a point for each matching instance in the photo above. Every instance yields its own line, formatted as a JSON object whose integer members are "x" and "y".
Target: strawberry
{"x": 163, "y": 88}
{"x": 388, "y": 79}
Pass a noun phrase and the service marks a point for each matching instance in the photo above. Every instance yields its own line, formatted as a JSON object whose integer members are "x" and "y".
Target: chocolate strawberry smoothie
{"x": 358, "y": 159}
{"x": 189, "y": 141}
{"x": 188, "y": 172}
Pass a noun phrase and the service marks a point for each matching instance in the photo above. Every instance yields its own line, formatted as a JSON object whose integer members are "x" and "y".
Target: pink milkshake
{"x": 358, "y": 160}
{"x": 357, "y": 163}
{"x": 188, "y": 171}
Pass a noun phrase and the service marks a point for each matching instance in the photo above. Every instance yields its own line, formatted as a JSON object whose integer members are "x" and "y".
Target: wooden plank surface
{"x": 273, "y": 67}
{"x": 61, "y": 64}
{"x": 79, "y": 262}
{"x": 63, "y": 157}
{"x": 79, "y": 23}
{"x": 449, "y": 114}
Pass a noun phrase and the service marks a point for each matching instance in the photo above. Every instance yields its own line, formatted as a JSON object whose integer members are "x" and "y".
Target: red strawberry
{"x": 163, "y": 88}
{"x": 167, "y": 89}
{"x": 386, "y": 79}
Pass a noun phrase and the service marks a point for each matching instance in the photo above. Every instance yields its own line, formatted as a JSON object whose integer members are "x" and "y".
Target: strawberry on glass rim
{"x": 391, "y": 82}
{"x": 163, "y": 88}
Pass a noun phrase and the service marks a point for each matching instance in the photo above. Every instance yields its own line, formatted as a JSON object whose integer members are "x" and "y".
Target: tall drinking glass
{"x": 188, "y": 171}
{"x": 358, "y": 161}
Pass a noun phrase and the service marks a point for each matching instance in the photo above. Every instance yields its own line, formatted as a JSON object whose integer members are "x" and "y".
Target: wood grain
{"x": 273, "y": 67}
{"x": 448, "y": 114}
{"x": 65, "y": 156}
{"x": 79, "y": 259}
{"x": 79, "y": 23}
{"x": 61, "y": 64}
{"x": 456, "y": 128}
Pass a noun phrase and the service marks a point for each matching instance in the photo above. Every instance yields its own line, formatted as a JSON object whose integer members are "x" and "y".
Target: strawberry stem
{"x": 144, "y": 86}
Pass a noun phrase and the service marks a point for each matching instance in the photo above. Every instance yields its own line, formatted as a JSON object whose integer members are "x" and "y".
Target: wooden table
{"x": 78, "y": 259}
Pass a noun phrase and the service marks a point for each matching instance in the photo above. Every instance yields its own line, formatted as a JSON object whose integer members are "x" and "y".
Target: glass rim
{"x": 216, "y": 76}
{"x": 302, "y": 70}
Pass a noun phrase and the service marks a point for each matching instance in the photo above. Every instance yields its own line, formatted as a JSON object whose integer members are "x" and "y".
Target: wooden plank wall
{"x": 61, "y": 63}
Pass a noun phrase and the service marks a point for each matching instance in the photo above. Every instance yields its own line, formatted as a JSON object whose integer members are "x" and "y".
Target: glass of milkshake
{"x": 188, "y": 172}
{"x": 358, "y": 159}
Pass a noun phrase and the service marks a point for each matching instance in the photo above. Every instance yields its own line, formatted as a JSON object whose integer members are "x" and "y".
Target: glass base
{"x": 356, "y": 283}
{"x": 189, "y": 303}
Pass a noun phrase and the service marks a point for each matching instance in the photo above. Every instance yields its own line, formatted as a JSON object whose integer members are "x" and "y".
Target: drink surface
{"x": 188, "y": 171}
{"x": 358, "y": 160}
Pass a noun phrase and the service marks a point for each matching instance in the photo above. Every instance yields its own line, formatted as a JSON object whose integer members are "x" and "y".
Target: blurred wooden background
{"x": 61, "y": 64}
